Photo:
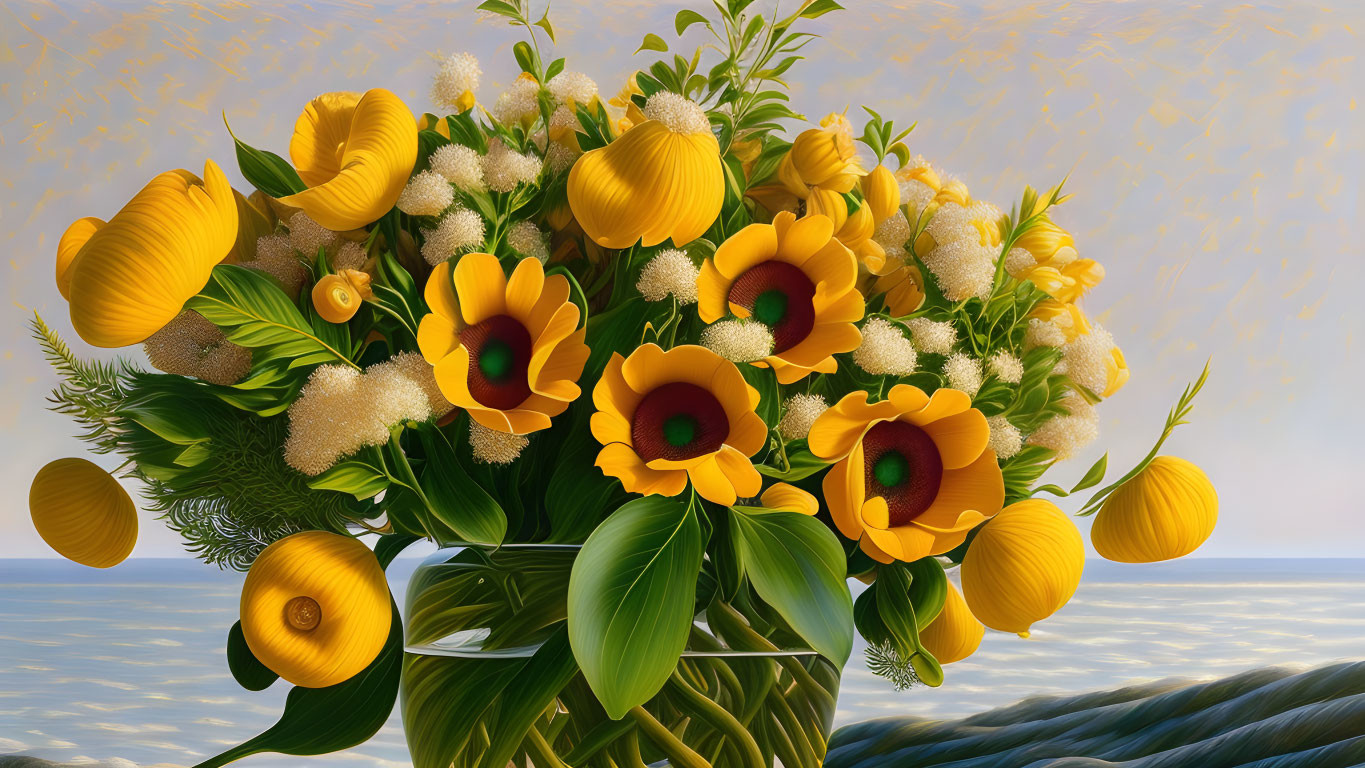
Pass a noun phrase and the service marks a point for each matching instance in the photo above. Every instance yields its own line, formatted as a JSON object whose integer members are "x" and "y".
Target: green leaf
{"x": 798, "y": 567}
{"x": 390, "y": 545}
{"x": 1055, "y": 490}
{"x": 687, "y": 18}
{"x": 265, "y": 171}
{"x": 652, "y": 42}
{"x": 537, "y": 685}
{"x": 453, "y": 496}
{"x": 803, "y": 464}
{"x": 246, "y": 669}
{"x": 354, "y": 477}
{"x": 631, "y": 600}
{"x": 544, "y": 24}
{"x": 317, "y": 721}
{"x": 928, "y": 589}
{"x": 526, "y": 58}
{"x": 501, "y": 8}
{"x": 1094, "y": 475}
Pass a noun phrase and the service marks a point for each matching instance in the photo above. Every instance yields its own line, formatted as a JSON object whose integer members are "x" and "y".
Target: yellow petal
{"x": 481, "y": 287}
{"x": 523, "y": 291}
{"x": 711, "y": 482}
{"x": 960, "y": 438}
{"x": 619, "y": 461}
{"x": 844, "y": 488}
{"x": 789, "y": 498}
{"x": 955, "y": 633}
{"x": 73, "y": 238}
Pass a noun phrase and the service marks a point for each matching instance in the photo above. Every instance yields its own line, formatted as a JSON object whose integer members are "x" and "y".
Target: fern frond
{"x": 89, "y": 392}
{"x": 884, "y": 661}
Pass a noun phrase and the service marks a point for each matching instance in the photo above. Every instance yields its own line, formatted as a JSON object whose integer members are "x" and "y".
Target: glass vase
{"x": 489, "y": 679}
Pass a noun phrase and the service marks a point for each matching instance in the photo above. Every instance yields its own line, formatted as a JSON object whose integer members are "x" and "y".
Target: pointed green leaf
{"x": 652, "y": 42}
{"x": 1094, "y": 475}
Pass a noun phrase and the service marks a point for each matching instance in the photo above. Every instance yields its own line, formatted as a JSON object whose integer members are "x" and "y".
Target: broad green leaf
{"x": 631, "y": 600}
{"x": 798, "y": 567}
{"x": 266, "y": 171}
{"x": 246, "y": 669}
{"x": 1094, "y": 475}
{"x": 928, "y": 589}
{"x": 390, "y": 545}
{"x": 453, "y": 496}
{"x": 317, "y": 721}
{"x": 687, "y": 18}
{"x": 652, "y": 42}
{"x": 501, "y": 8}
{"x": 354, "y": 477}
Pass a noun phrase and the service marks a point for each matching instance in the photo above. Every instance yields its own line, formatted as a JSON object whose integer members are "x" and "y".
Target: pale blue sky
{"x": 1216, "y": 154}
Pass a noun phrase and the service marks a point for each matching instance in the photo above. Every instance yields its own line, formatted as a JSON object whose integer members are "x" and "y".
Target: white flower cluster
{"x": 190, "y": 345}
{"x": 493, "y": 447}
{"x": 560, "y": 158}
{"x": 671, "y": 272}
{"x": 351, "y": 255}
{"x": 1070, "y": 432}
{"x": 572, "y": 88}
{"x": 341, "y": 410}
{"x": 1041, "y": 333}
{"x": 458, "y": 75}
{"x": 885, "y": 350}
{"x": 738, "y": 341}
{"x": 931, "y": 336}
{"x": 892, "y": 235}
{"x": 460, "y": 230}
{"x": 963, "y": 372}
{"x": 1018, "y": 262}
{"x": 678, "y": 114}
{"x": 520, "y": 100}
{"x": 1088, "y": 357}
{"x": 1005, "y": 366}
{"x": 459, "y": 165}
{"x": 275, "y": 256}
{"x": 426, "y": 194}
{"x": 504, "y": 169}
{"x": 308, "y": 236}
{"x": 1005, "y": 439}
{"x": 799, "y": 413}
{"x": 963, "y": 258}
{"x": 526, "y": 238}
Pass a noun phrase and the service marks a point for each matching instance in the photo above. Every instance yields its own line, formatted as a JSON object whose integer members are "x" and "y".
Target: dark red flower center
{"x": 779, "y": 295}
{"x": 903, "y": 466}
{"x": 678, "y": 421}
{"x": 499, "y": 353}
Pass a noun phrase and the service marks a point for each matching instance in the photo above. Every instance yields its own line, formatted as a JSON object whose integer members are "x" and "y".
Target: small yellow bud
{"x": 882, "y": 192}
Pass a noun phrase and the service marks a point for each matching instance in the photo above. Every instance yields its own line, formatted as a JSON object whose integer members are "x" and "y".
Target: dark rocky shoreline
{"x": 1265, "y": 718}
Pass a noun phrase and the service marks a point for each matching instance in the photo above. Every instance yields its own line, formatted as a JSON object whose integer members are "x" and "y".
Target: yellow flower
{"x": 1066, "y": 317}
{"x": 1052, "y": 264}
{"x": 665, "y": 418}
{"x": 1166, "y": 511}
{"x": 882, "y": 192}
{"x": 913, "y": 473}
{"x": 355, "y": 153}
{"x": 830, "y": 204}
{"x": 789, "y": 498}
{"x": 337, "y": 297}
{"x": 662, "y": 180}
{"x": 316, "y": 608}
{"x": 821, "y": 156}
{"x": 792, "y": 276}
{"x": 955, "y": 633}
{"x": 903, "y": 289}
{"x": 72, "y": 240}
{"x": 82, "y": 512}
{"x": 508, "y": 351}
{"x": 131, "y": 276}
{"x": 1022, "y": 566}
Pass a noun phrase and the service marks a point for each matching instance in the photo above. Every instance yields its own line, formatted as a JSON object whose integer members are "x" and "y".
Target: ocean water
{"x": 128, "y": 664}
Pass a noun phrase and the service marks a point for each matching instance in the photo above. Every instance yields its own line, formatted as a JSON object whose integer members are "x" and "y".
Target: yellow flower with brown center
{"x": 1165, "y": 511}
{"x": 355, "y": 153}
{"x": 82, "y": 512}
{"x": 795, "y": 278}
{"x": 126, "y": 279}
{"x": 661, "y": 180}
{"x": 507, "y": 350}
{"x": 665, "y": 418}
{"x": 337, "y": 297}
{"x": 316, "y": 608}
{"x": 913, "y": 473}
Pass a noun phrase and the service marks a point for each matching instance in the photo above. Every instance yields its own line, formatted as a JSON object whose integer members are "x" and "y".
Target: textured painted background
{"x": 1215, "y": 149}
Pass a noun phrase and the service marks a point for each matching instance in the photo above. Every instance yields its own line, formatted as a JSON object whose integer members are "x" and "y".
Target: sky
{"x": 1215, "y": 150}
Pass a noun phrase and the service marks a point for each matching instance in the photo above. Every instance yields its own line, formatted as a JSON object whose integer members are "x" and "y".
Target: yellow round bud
{"x": 316, "y": 608}
{"x": 882, "y": 192}
{"x": 1023, "y": 566}
{"x": 954, "y": 192}
{"x": 82, "y": 512}
{"x": 820, "y": 154}
{"x": 338, "y": 297}
{"x": 955, "y": 633}
{"x": 1166, "y": 511}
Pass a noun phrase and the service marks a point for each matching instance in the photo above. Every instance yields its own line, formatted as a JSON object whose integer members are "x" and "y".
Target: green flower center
{"x": 770, "y": 307}
{"x": 495, "y": 359}
{"x": 679, "y": 430}
{"x": 891, "y": 470}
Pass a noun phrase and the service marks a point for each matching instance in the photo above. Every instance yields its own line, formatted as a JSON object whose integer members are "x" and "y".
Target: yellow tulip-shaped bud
{"x": 955, "y": 633}
{"x": 133, "y": 275}
{"x": 1022, "y": 566}
{"x": 882, "y": 192}
{"x": 355, "y": 153}
{"x": 1166, "y": 511}
{"x": 820, "y": 154}
{"x": 790, "y": 179}
{"x": 337, "y": 297}
{"x": 662, "y": 180}
{"x": 1046, "y": 241}
{"x": 954, "y": 192}
{"x": 82, "y": 512}
{"x": 1115, "y": 372}
{"x": 315, "y": 608}
{"x": 827, "y": 202}
{"x": 858, "y": 228}
{"x": 72, "y": 239}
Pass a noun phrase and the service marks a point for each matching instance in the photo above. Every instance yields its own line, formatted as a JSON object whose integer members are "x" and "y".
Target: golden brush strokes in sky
{"x": 1215, "y": 151}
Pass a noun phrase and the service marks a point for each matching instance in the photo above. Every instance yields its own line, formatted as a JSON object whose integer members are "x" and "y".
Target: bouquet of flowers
{"x": 656, "y": 377}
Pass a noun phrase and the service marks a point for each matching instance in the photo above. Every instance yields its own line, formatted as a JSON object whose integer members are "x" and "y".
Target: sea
{"x": 127, "y": 666}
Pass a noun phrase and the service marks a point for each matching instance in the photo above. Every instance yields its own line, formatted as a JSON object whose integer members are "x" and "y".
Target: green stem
{"x": 714, "y": 715}
{"x": 742, "y": 637}
{"x": 795, "y": 732}
{"x": 679, "y": 754}
{"x": 540, "y": 752}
